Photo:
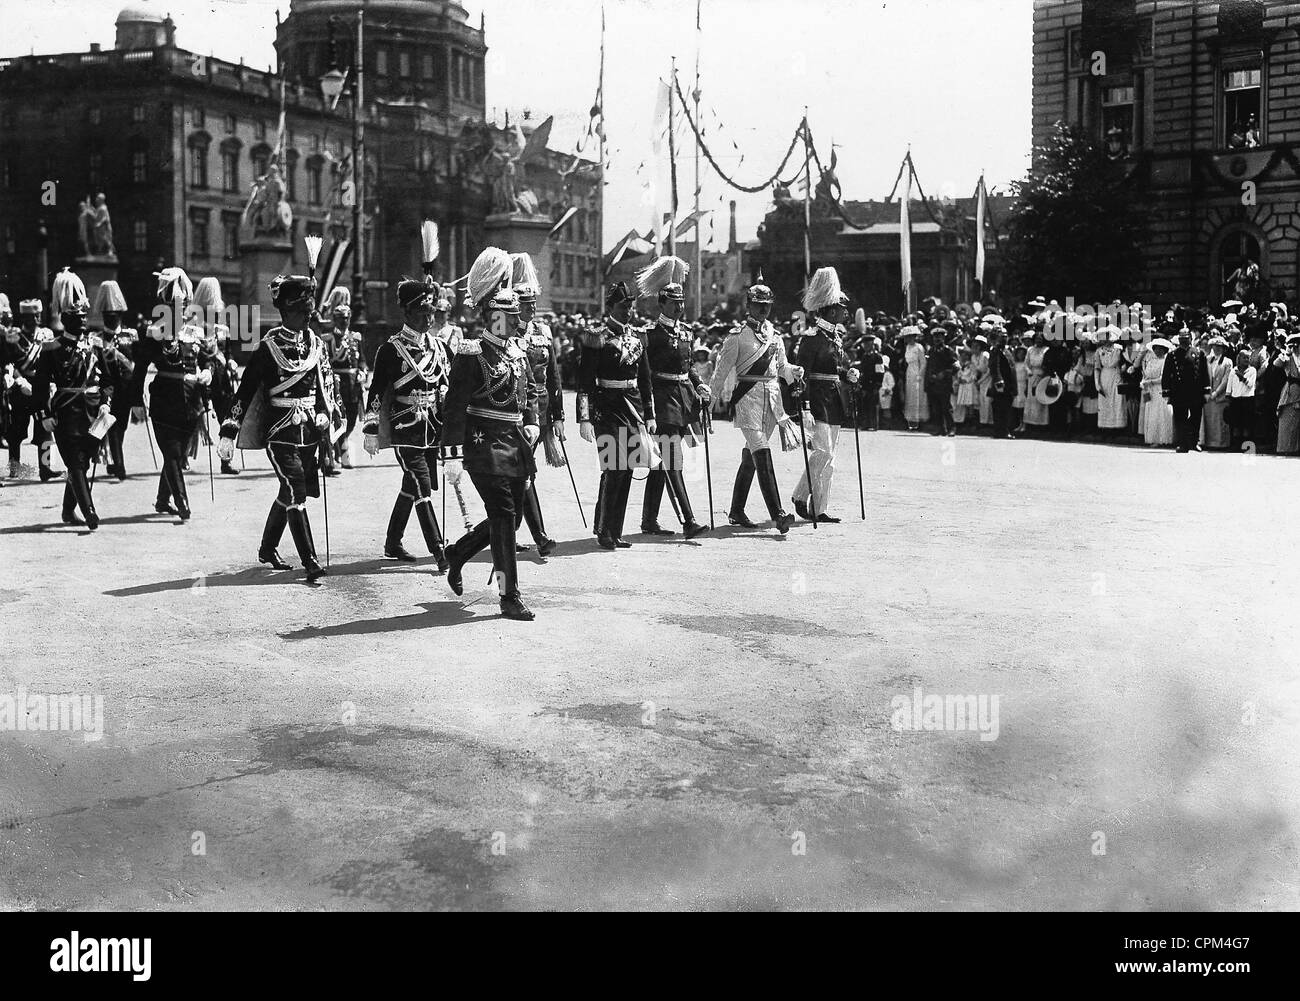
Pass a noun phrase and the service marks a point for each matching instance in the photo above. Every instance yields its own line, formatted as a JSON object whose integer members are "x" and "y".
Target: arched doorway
{"x": 1239, "y": 264}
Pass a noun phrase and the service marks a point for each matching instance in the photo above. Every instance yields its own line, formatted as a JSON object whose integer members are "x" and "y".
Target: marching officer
{"x": 282, "y": 406}
{"x": 23, "y": 346}
{"x": 404, "y": 413}
{"x": 491, "y": 415}
{"x": 616, "y": 410}
{"x": 678, "y": 393}
{"x": 829, "y": 380}
{"x": 71, "y": 394}
{"x": 349, "y": 365}
{"x": 540, "y": 346}
{"x": 177, "y": 395}
{"x": 118, "y": 343}
{"x": 751, "y": 366}
{"x": 214, "y": 353}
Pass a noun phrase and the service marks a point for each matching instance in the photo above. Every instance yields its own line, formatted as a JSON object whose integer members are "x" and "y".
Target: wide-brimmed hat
{"x": 1049, "y": 390}
{"x": 1161, "y": 342}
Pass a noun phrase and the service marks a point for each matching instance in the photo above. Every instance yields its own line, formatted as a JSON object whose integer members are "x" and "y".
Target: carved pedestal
{"x": 93, "y": 272}
{"x": 524, "y": 234}
{"x": 260, "y": 260}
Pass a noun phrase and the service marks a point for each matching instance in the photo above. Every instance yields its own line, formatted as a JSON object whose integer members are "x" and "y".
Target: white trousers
{"x": 821, "y": 463}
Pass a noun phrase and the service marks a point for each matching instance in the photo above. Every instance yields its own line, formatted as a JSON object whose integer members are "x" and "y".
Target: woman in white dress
{"x": 916, "y": 408}
{"x": 1022, "y": 388}
{"x": 1035, "y": 361}
{"x": 1288, "y": 404}
{"x": 1086, "y": 365}
{"x": 1157, "y": 412}
{"x": 1214, "y": 423}
{"x": 983, "y": 377}
{"x": 964, "y": 404}
{"x": 1111, "y": 412}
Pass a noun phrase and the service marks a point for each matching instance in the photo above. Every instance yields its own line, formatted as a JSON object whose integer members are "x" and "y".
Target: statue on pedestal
{"x": 95, "y": 229}
{"x": 267, "y": 206}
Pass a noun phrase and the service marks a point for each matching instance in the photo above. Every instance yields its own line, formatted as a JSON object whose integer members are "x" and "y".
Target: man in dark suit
{"x": 1186, "y": 384}
{"x": 940, "y": 370}
{"x": 1002, "y": 384}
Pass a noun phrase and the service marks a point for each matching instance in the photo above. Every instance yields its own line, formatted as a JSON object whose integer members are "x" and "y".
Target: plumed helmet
{"x": 663, "y": 277}
{"x": 109, "y": 298}
{"x": 292, "y": 290}
{"x": 174, "y": 285}
{"x": 208, "y": 294}
{"x": 339, "y": 300}
{"x": 523, "y": 278}
{"x": 69, "y": 293}
{"x": 824, "y": 290}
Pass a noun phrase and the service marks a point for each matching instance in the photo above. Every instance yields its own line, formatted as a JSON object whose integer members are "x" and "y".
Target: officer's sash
{"x": 756, "y": 364}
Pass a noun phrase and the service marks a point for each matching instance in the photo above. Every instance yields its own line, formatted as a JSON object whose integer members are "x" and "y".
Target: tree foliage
{"x": 1077, "y": 228}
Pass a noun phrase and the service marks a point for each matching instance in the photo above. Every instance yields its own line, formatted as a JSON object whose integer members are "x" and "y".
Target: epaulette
{"x": 470, "y": 346}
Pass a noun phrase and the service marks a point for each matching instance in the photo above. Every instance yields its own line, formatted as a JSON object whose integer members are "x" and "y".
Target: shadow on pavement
{"x": 262, "y": 575}
{"x": 435, "y": 614}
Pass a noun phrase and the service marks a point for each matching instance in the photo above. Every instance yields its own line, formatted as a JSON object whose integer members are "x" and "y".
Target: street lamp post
{"x": 331, "y": 85}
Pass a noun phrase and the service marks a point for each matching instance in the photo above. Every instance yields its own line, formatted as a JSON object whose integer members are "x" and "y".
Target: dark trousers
{"x": 1001, "y": 416}
{"x": 611, "y": 502}
{"x": 296, "y": 468}
{"x": 419, "y": 481}
{"x": 22, "y": 413}
{"x": 350, "y": 401}
{"x": 1187, "y": 422}
{"x": 77, "y": 451}
{"x": 869, "y": 409}
{"x": 941, "y": 412}
{"x": 532, "y": 508}
{"x": 503, "y": 500}
{"x": 174, "y": 444}
{"x": 667, "y": 474}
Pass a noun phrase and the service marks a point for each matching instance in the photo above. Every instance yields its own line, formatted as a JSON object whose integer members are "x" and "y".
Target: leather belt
{"x": 671, "y": 376}
{"x": 757, "y": 378}
{"x": 419, "y": 397}
{"x": 822, "y": 377}
{"x": 172, "y": 375}
{"x": 346, "y": 371}
{"x": 616, "y": 383}
{"x": 495, "y": 415}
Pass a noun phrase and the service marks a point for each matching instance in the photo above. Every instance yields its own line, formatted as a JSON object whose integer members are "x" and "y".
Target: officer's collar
{"x": 666, "y": 323}
{"x": 614, "y": 326}
{"x": 826, "y": 325}
{"x": 409, "y": 333}
{"x": 492, "y": 338}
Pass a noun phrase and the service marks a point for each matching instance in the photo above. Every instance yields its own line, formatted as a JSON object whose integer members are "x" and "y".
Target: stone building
{"x": 176, "y": 139}
{"x": 1200, "y": 105}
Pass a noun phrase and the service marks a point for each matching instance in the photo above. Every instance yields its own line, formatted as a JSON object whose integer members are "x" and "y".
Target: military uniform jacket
{"x": 826, "y": 369}
{"x": 405, "y": 408}
{"x": 347, "y": 361}
{"x": 24, "y": 354}
{"x": 282, "y": 391}
{"x": 176, "y": 399}
{"x": 537, "y": 341}
{"x": 673, "y": 383}
{"x": 1186, "y": 377}
{"x": 751, "y": 367}
{"x": 71, "y": 384}
{"x": 491, "y": 399}
{"x": 614, "y": 378}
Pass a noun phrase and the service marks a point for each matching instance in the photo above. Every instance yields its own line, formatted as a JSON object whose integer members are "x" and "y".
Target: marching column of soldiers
{"x": 447, "y": 402}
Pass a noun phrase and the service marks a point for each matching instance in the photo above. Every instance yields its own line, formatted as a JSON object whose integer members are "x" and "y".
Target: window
{"x": 261, "y": 157}
{"x": 1117, "y": 120}
{"x": 457, "y": 72}
{"x": 229, "y": 169}
{"x": 137, "y": 113}
{"x": 404, "y": 64}
{"x": 198, "y": 165}
{"x": 314, "y": 181}
{"x": 1239, "y": 251}
{"x": 1241, "y": 107}
{"x": 6, "y": 173}
{"x": 230, "y": 124}
{"x": 568, "y": 270}
{"x": 95, "y": 169}
{"x": 259, "y": 129}
{"x": 315, "y": 143}
{"x": 426, "y": 65}
{"x": 381, "y": 61}
{"x": 230, "y": 235}
{"x": 199, "y": 119}
{"x": 95, "y": 117}
{"x": 291, "y": 175}
{"x": 199, "y": 232}
{"x": 140, "y": 236}
{"x": 140, "y": 166}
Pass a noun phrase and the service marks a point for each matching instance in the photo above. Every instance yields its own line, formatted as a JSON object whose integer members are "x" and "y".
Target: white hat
{"x": 208, "y": 294}
{"x": 665, "y": 276}
{"x": 4, "y": 304}
{"x": 824, "y": 290}
{"x": 173, "y": 284}
{"x": 523, "y": 277}
{"x": 69, "y": 293}
{"x": 109, "y": 298}
{"x": 1160, "y": 342}
{"x": 489, "y": 272}
{"x": 339, "y": 300}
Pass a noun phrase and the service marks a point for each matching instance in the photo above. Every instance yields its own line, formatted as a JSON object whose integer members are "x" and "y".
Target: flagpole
{"x": 600, "y": 103}
{"x": 807, "y": 199}
{"x": 358, "y": 177}
{"x": 672, "y": 162}
{"x": 699, "y": 305}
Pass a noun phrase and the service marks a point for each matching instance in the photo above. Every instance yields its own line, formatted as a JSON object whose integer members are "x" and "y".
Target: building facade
{"x": 176, "y": 140}
{"x": 1199, "y": 103}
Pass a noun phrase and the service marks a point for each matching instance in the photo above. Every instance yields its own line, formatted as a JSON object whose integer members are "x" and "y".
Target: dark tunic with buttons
{"x": 492, "y": 397}
{"x": 176, "y": 399}
{"x": 282, "y": 391}
{"x": 673, "y": 384}
{"x": 405, "y": 408}
{"x": 70, "y": 385}
{"x": 614, "y": 387}
{"x": 540, "y": 346}
{"x": 826, "y": 368}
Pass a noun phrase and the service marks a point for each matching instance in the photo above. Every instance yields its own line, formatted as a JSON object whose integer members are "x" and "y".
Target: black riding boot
{"x": 69, "y": 505}
{"x": 80, "y": 486}
{"x": 272, "y": 532}
{"x": 432, "y": 535}
{"x": 393, "y": 547}
{"x": 622, "y": 486}
{"x": 598, "y": 517}
{"x": 300, "y": 529}
{"x": 115, "y": 436}
{"x": 677, "y": 484}
{"x": 654, "y": 493}
{"x": 771, "y": 493}
{"x": 502, "y": 534}
{"x": 533, "y": 515}
{"x": 465, "y": 549}
{"x": 740, "y": 492}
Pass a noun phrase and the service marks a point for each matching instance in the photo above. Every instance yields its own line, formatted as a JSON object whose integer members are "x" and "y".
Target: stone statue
{"x": 101, "y": 242}
{"x": 500, "y": 162}
{"x": 85, "y": 227}
{"x": 267, "y": 207}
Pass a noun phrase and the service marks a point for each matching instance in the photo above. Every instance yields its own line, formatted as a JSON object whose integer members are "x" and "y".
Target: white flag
{"x": 981, "y": 220}
{"x": 905, "y": 235}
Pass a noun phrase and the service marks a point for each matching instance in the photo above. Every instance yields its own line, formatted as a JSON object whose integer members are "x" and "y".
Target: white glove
{"x": 559, "y": 431}
{"x": 854, "y": 376}
{"x": 587, "y": 431}
{"x": 532, "y": 432}
{"x": 24, "y": 385}
{"x": 451, "y": 471}
{"x": 190, "y": 379}
{"x": 48, "y": 423}
{"x": 705, "y": 392}
{"x": 104, "y": 410}
{"x": 205, "y": 377}
{"x": 225, "y": 449}
{"x": 322, "y": 421}
{"x": 651, "y": 426}
{"x": 797, "y": 371}
{"x": 137, "y": 415}
{"x": 371, "y": 444}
